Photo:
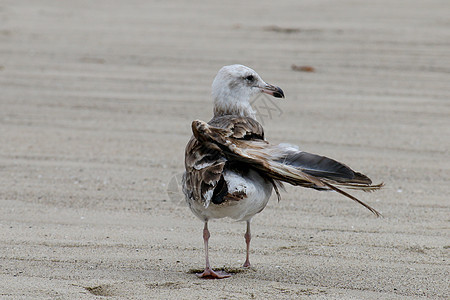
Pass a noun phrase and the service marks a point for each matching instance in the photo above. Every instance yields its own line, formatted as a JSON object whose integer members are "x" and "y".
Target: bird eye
{"x": 250, "y": 77}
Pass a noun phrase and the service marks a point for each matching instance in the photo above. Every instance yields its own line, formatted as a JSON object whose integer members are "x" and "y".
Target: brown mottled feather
{"x": 205, "y": 160}
{"x": 272, "y": 161}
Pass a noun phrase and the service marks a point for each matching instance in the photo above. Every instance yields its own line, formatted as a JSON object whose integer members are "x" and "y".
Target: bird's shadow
{"x": 229, "y": 270}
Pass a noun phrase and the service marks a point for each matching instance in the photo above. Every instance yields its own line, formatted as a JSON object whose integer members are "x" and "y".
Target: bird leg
{"x": 209, "y": 273}
{"x": 247, "y": 237}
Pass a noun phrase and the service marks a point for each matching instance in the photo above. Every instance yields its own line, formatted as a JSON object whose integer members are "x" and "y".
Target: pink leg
{"x": 209, "y": 273}
{"x": 247, "y": 237}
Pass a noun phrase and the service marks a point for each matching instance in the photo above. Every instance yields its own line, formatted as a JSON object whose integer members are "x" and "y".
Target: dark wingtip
{"x": 361, "y": 178}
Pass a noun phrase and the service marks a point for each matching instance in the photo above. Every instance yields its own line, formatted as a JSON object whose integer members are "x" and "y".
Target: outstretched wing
{"x": 286, "y": 163}
{"x": 205, "y": 160}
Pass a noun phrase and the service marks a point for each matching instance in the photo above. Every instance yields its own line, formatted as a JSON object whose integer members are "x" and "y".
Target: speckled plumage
{"x": 231, "y": 169}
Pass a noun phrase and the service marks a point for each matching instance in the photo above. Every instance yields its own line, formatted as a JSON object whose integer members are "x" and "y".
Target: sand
{"x": 96, "y": 101}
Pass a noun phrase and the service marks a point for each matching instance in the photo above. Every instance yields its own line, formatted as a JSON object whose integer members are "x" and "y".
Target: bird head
{"x": 233, "y": 88}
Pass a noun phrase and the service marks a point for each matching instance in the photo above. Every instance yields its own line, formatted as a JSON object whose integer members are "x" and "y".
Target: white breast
{"x": 256, "y": 189}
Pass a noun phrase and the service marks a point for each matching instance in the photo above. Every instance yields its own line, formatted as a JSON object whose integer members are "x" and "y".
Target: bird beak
{"x": 273, "y": 90}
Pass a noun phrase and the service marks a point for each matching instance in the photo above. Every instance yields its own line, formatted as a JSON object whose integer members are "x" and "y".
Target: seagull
{"x": 231, "y": 169}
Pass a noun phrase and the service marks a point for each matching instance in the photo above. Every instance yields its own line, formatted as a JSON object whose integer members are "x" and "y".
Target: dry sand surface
{"x": 96, "y": 101}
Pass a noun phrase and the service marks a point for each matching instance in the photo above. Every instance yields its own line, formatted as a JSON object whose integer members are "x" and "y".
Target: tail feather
{"x": 321, "y": 166}
{"x": 373, "y": 210}
{"x": 316, "y": 165}
{"x": 296, "y": 177}
{"x": 361, "y": 187}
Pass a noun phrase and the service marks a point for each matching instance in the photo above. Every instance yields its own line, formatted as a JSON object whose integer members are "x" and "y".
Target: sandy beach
{"x": 96, "y": 103}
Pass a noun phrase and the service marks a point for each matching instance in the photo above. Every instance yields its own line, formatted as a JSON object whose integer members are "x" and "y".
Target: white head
{"x": 234, "y": 86}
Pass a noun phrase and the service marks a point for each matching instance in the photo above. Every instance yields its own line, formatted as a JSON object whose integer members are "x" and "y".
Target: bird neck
{"x": 236, "y": 107}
